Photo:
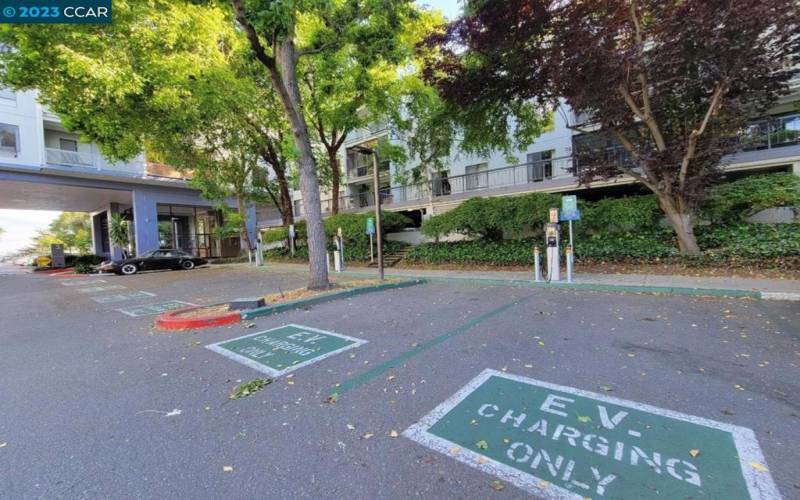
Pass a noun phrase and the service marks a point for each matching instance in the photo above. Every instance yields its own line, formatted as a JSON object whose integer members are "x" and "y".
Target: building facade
{"x": 43, "y": 166}
{"x": 771, "y": 143}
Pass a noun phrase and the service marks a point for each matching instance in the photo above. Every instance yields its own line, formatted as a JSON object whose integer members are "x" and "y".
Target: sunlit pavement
{"x": 96, "y": 404}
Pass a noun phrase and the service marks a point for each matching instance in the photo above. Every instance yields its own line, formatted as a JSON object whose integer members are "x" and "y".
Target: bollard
{"x": 569, "y": 263}
{"x": 337, "y": 262}
{"x": 537, "y": 268}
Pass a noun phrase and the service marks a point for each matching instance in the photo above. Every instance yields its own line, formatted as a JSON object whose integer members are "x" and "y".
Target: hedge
{"x": 352, "y": 252}
{"x": 765, "y": 245}
{"x": 734, "y": 201}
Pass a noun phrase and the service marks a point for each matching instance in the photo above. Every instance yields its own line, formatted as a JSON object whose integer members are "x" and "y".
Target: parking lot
{"x": 98, "y": 404}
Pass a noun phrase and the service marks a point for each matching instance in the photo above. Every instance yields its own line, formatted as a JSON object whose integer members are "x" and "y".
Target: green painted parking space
{"x": 153, "y": 309}
{"x": 281, "y": 350}
{"x": 97, "y": 289}
{"x": 122, "y": 297}
{"x": 562, "y": 442}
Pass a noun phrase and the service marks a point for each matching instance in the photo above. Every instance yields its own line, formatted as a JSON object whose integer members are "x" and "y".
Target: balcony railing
{"x": 70, "y": 158}
{"x": 772, "y": 133}
{"x": 515, "y": 175}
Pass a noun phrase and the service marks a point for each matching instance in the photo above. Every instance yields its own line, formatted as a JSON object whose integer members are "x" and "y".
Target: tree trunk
{"x": 682, "y": 223}
{"x": 336, "y": 176}
{"x": 287, "y": 210}
{"x": 284, "y": 79}
{"x": 240, "y": 205}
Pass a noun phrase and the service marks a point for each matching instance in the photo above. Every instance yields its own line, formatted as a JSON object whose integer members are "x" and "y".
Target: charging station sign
{"x": 569, "y": 208}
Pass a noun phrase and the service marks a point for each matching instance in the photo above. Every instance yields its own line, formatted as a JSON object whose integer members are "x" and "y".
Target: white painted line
{"x": 134, "y": 315}
{"x": 81, "y": 282}
{"x": 121, "y": 297}
{"x": 760, "y": 485}
{"x": 780, "y": 296}
{"x": 95, "y": 289}
{"x": 216, "y": 347}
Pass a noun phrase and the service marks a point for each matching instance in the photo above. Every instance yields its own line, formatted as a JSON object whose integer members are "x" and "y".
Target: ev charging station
{"x": 552, "y": 237}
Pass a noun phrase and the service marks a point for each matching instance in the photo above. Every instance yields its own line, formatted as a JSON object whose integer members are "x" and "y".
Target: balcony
{"x": 71, "y": 158}
{"x": 516, "y": 177}
{"x": 770, "y": 133}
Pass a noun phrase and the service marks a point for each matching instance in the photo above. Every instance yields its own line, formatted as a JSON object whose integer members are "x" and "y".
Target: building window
{"x": 540, "y": 165}
{"x": 9, "y": 140}
{"x": 477, "y": 176}
{"x": 7, "y": 96}
{"x": 441, "y": 184}
{"x": 68, "y": 145}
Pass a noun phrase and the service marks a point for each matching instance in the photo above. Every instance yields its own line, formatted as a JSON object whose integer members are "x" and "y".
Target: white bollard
{"x": 537, "y": 266}
{"x": 569, "y": 264}
{"x": 337, "y": 263}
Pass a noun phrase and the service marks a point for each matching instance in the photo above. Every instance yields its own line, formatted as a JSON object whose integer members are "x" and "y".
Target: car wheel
{"x": 129, "y": 269}
{"x": 187, "y": 264}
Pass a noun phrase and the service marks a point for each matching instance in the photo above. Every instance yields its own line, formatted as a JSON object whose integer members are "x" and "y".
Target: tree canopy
{"x": 669, "y": 83}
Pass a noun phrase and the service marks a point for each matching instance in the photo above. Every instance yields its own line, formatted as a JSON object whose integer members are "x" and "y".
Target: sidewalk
{"x": 767, "y": 289}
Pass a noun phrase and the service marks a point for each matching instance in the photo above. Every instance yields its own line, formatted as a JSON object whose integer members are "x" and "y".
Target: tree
{"x": 272, "y": 28}
{"x": 71, "y": 229}
{"x": 670, "y": 82}
{"x": 119, "y": 233}
{"x": 163, "y": 74}
{"x": 346, "y": 88}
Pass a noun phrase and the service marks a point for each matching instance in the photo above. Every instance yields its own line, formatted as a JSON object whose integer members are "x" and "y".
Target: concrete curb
{"x": 352, "y": 292}
{"x": 598, "y": 287}
{"x": 170, "y": 320}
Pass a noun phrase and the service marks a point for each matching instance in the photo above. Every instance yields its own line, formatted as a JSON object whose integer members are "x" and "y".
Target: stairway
{"x": 391, "y": 258}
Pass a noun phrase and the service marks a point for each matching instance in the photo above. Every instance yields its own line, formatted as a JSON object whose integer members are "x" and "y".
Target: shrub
{"x": 734, "y": 201}
{"x": 492, "y": 218}
{"x": 353, "y": 252}
{"x": 83, "y": 268}
{"x": 628, "y": 214}
{"x": 750, "y": 242}
{"x": 91, "y": 260}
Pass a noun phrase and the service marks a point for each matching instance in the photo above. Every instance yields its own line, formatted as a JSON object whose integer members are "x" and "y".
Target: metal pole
{"x": 571, "y": 246}
{"x": 371, "y": 249}
{"x": 376, "y": 187}
{"x": 569, "y": 263}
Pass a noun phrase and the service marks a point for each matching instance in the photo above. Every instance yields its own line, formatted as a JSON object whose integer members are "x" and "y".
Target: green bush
{"x": 749, "y": 242}
{"x": 352, "y": 252}
{"x": 83, "y": 268}
{"x": 493, "y": 218}
{"x": 91, "y": 260}
{"x": 734, "y": 201}
{"x": 628, "y": 214}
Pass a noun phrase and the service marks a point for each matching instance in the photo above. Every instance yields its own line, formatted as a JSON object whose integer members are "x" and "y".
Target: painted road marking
{"x": 121, "y": 297}
{"x": 95, "y": 289}
{"x": 153, "y": 309}
{"x": 560, "y": 442}
{"x": 284, "y": 349}
{"x": 81, "y": 282}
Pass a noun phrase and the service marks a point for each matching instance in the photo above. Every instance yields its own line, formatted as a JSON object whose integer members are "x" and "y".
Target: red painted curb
{"x": 60, "y": 270}
{"x": 171, "y": 321}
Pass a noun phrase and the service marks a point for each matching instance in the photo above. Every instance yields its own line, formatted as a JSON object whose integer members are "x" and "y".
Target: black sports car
{"x": 151, "y": 261}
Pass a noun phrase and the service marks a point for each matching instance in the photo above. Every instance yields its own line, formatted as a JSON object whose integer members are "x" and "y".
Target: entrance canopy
{"x": 22, "y": 195}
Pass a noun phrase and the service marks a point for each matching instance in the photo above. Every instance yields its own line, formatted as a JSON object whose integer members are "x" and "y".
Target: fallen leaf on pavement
{"x": 455, "y": 450}
{"x": 694, "y": 452}
{"x": 351, "y": 427}
{"x": 227, "y": 468}
{"x": 367, "y": 435}
{"x": 759, "y": 467}
{"x": 584, "y": 419}
{"x": 482, "y": 445}
{"x": 498, "y": 485}
{"x": 393, "y": 434}
{"x": 3, "y": 444}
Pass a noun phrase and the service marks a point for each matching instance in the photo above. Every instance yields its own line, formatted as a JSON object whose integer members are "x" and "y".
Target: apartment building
{"x": 771, "y": 143}
{"x": 43, "y": 166}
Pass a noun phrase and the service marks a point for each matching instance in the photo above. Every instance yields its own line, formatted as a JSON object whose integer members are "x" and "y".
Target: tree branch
{"x": 628, "y": 145}
{"x": 696, "y": 133}
{"x": 252, "y": 36}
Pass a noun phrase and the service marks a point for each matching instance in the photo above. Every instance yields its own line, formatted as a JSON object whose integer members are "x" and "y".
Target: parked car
{"x": 151, "y": 261}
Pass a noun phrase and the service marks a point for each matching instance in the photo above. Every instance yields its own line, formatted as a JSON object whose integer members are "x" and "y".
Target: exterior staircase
{"x": 392, "y": 258}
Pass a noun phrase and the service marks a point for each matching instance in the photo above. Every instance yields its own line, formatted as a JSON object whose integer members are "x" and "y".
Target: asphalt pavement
{"x": 98, "y": 404}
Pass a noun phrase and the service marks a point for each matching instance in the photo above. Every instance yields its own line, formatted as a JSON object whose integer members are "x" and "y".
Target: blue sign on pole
{"x": 570, "y": 215}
